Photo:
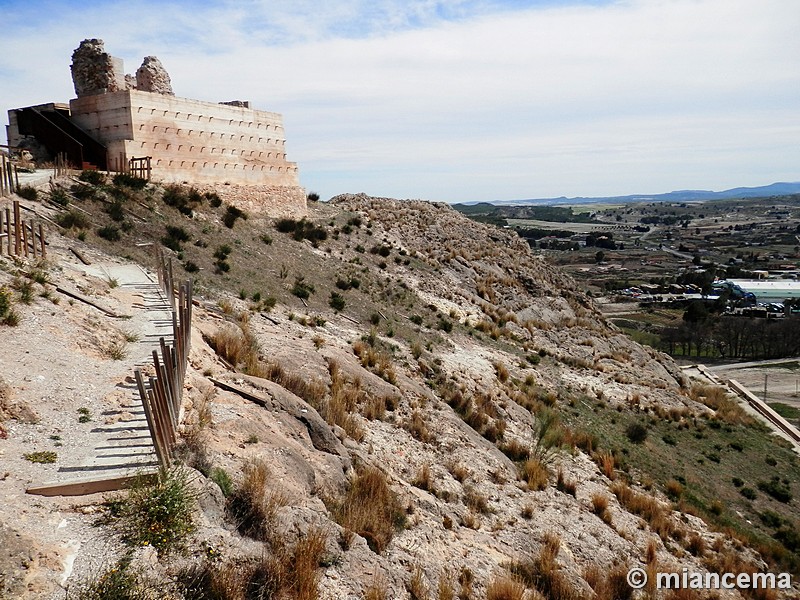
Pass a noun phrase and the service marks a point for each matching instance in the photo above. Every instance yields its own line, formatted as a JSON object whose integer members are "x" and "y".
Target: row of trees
{"x": 734, "y": 337}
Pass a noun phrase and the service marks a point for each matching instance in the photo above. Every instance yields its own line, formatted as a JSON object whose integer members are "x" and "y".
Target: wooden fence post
{"x": 17, "y": 236}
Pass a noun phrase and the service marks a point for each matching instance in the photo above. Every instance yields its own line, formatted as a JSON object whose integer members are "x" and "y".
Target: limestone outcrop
{"x": 153, "y": 77}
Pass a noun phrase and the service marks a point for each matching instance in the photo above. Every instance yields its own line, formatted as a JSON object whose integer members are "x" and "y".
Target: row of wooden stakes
{"x": 162, "y": 394}
{"x": 20, "y": 237}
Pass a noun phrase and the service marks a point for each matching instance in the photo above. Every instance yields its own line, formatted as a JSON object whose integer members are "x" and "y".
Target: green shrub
{"x": 120, "y": 582}
{"x": 159, "y": 514}
{"x": 115, "y": 210}
{"x": 72, "y": 220}
{"x": 178, "y": 197}
{"x": 191, "y": 266}
{"x": 28, "y": 192}
{"x": 231, "y": 215}
{"x": 313, "y": 197}
{"x": 92, "y": 176}
{"x": 213, "y": 199}
{"x": 301, "y": 289}
{"x": 175, "y": 237}
{"x": 221, "y": 254}
{"x": 636, "y": 432}
{"x": 58, "y": 195}
{"x": 44, "y": 457}
{"x": 337, "y": 301}
{"x": 223, "y": 480}
{"x": 777, "y": 489}
{"x": 748, "y": 493}
{"x": 110, "y": 233}
{"x": 129, "y": 181}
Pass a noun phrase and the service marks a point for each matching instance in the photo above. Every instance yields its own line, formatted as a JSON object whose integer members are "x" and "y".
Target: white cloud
{"x": 631, "y": 96}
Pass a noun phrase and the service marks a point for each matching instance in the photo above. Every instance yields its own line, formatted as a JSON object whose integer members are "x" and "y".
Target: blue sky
{"x": 464, "y": 100}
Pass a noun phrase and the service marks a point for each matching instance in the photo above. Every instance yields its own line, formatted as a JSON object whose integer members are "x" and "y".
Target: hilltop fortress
{"x": 118, "y": 122}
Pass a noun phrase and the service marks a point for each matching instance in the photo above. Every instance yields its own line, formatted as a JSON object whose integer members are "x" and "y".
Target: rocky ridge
{"x": 447, "y": 408}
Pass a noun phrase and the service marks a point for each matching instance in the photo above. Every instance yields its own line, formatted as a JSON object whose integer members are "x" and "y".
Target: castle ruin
{"x": 116, "y": 119}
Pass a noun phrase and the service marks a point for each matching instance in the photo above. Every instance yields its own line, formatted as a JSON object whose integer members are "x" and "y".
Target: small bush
{"x": 221, "y": 255}
{"x": 748, "y": 493}
{"x": 636, "y": 432}
{"x": 27, "y": 192}
{"x": 72, "y": 220}
{"x": 119, "y": 582}
{"x": 337, "y": 301}
{"x": 175, "y": 237}
{"x": 231, "y": 215}
{"x": 110, "y": 233}
{"x": 45, "y": 457}
{"x": 128, "y": 181}
{"x": 301, "y": 289}
{"x": 8, "y": 316}
{"x": 223, "y": 480}
{"x": 159, "y": 514}
{"x": 92, "y": 176}
{"x": 777, "y": 489}
{"x": 213, "y": 199}
{"x": 191, "y": 266}
{"x": 178, "y": 197}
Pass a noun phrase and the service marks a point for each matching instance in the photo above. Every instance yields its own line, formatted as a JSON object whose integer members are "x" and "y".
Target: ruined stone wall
{"x": 190, "y": 140}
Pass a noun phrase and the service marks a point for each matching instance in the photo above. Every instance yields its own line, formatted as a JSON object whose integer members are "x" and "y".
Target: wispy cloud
{"x": 469, "y": 99}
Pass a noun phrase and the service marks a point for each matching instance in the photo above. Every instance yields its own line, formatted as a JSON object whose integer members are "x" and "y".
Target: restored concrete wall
{"x": 190, "y": 140}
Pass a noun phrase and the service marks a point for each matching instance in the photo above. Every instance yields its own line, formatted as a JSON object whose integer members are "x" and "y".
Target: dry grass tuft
{"x": 535, "y": 473}
{"x": 567, "y": 486}
{"x": 600, "y": 507}
{"x": 375, "y": 360}
{"x": 252, "y": 505}
{"x": 343, "y": 402}
{"x": 607, "y": 463}
{"x": 371, "y": 509}
{"x": 416, "y": 426}
{"x": 541, "y": 572}
{"x": 609, "y": 584}
{"x": 457, "y": 470}
{"x": 717, "y": 399}
{"x": 503, "y": 587}
{"x": 417, "y": 586}
{"x": 647, "y": 507}
{"x": 378, "y": 589}
{"x": 423, "y": 480}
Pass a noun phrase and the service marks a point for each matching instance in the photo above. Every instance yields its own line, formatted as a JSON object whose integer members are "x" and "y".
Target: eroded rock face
{"x": 94, "y": 71}
{"x": 153, "y": 77}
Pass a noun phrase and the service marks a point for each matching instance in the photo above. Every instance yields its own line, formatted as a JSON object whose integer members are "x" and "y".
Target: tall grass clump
{"x": 371, "y": 509}
{"x": 253, "y": 505}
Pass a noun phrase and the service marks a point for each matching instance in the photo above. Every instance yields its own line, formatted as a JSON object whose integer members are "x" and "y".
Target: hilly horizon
{"x": 773, "y": 189}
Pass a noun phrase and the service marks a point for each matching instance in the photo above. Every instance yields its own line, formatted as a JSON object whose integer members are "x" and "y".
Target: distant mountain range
{"x": 775, "y": 189}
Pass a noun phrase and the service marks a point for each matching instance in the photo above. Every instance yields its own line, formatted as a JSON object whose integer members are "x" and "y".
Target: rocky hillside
{"x": 384, "y": 400}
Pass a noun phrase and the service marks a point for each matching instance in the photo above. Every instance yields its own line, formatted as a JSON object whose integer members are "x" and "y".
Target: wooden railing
{"x": 162, "y": 394}
{"x": 18, "y": 236}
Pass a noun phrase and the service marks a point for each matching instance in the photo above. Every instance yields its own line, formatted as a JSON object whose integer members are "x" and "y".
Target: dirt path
{"x": 73, "y": 366}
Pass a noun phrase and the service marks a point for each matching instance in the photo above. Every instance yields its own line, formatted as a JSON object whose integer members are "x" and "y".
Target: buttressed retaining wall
{"x": 193, "y": 141}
